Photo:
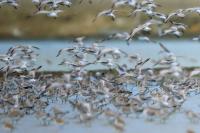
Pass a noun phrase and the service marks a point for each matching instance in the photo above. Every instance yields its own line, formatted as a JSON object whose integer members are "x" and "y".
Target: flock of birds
{"x": 111, "y": 95}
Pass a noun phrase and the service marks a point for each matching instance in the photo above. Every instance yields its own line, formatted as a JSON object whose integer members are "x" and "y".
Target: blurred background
{"x": 77, "y": 20}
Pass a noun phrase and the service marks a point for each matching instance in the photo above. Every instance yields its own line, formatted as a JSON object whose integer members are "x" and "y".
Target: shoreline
{"x": 57, "y": 73}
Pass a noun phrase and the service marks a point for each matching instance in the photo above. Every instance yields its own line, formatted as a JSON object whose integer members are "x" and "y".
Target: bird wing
{"x": 164, "y": 48}
{"x": 58, "y": 11}
{"x": 42, "y": 12}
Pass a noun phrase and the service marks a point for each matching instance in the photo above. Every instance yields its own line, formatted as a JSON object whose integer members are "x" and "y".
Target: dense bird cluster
{"x": 119, "y": 91}
{"x": 50, "y": 7}
{"x": 108, "y": 95}
{"x": 167, "y": 24}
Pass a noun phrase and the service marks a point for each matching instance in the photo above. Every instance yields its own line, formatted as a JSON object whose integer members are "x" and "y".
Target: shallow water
{"x": 186, "y": 49}
{"x": 177, "y": 123}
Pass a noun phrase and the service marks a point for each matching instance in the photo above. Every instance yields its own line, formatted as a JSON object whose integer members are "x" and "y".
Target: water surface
{"x": 185, "y": 49}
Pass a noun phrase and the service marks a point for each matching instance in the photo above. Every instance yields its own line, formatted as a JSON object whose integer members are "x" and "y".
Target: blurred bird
{"x": 52, "y": 13}
{"x": 108, "y": 13}
{"x": 141, "y": 27}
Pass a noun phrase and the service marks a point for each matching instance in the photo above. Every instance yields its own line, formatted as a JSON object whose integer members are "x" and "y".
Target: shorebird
{"x": 115, "y": 52}
{"x": 197, "y": 38}
{"x": 121, "y": 36}
{"x": 141, "y": 63}
{"x": 119, "y": 123}
{"x": 52, "y": 13}
{"x": 8, "y": 125}
{"x": 169, "y": 57}
{"x": 142, "y": 27}
{"x": 164, "y": 48}
{"x": 77, "y": 64}
{"x": 190, "y": 131}
{"x": 194, "y": 10}
{"x": 5, "y": 58}
{"x": 147, "y": 2}
{"x": 65, "y": 3}
{"x": 150, "y": 113}
{"x": 148, "y": 7}
{"x": 176, "y": 29}
{"x": 194, "y": 72}
{"x": 79, "y": 40}
{"x": 93, "y": 49}
{"x": 108, "y": 13}
{"x": 192, "y": 116}
{"x": 58, "y": 112}
{"x": 3, "y": 2}
{"x": 160, "y": 16}
{"x": 55, "y": 3}
{"x": 145, "y": 10}
{"x": 131, "y": 3}
{"x": 65, "y": 49}
{"x": 89, "y": 1}
{"x": 36, "y": 1}
{"x": 180, "y": 26}
{"x": 12, "y": 3}
{"x": 179, "y": 13}
{"x": 118, "y": 3}
{"x": 109, "y": 62}
{"x": 122, "y": 69}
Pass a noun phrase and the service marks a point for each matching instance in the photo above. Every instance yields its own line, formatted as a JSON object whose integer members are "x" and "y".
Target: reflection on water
{"x": 187, "y": 50}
